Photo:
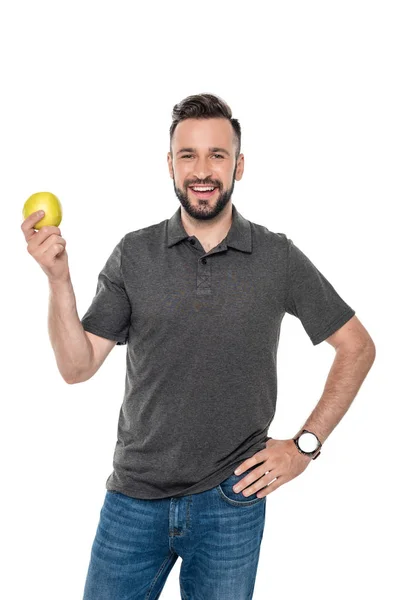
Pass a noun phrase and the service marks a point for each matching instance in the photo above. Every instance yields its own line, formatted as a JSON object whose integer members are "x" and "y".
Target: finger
{"x": 52, "y": 246}
{"x": 259, "y": 478}
{"x": 40, "y": 237}
{"x": 55, "y": 250}
{"x": 270, "y": 487}
{"x": 250, "y": 478}
{"x": 29, "y": 222}
{"x": 260, "y": 456}
{"x": 46, "y": 248}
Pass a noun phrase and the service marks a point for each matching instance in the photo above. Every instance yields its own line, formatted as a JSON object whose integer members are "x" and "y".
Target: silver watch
{"x": 308, "y": 443}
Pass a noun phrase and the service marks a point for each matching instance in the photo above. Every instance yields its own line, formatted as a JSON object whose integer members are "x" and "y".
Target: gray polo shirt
{"x": 202, "y": 332}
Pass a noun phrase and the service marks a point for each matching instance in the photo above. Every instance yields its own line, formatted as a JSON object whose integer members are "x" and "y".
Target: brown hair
{"x": 204, "y": 106}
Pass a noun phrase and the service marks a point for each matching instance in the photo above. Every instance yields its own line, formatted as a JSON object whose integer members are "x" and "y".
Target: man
{"x": 199, "y": 299}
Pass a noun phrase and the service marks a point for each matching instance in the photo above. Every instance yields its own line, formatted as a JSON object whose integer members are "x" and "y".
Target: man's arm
{"x": 72, "y": 348}
{"x": 101, "y": 349}
{"x": 355, "y": 354}
{"x": 280, "y": 461}
{"x": 79, "y": 353}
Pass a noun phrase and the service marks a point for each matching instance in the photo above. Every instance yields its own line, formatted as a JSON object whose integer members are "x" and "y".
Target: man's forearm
{"x": 71, "y": 346}
{"x": 345, "y": 377}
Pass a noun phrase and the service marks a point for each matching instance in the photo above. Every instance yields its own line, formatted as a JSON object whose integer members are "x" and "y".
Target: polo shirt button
{"x": 192, "y": 241}
{"x": 204, "y": 261}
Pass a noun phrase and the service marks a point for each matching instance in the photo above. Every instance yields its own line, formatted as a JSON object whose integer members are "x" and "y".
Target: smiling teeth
{"x": 203, "y": 189}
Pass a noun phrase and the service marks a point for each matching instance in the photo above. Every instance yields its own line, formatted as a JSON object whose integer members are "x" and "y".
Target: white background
{"x": 87, "y": 94}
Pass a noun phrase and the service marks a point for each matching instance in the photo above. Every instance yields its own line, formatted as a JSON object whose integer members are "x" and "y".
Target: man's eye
{"x": 188, "y": 155}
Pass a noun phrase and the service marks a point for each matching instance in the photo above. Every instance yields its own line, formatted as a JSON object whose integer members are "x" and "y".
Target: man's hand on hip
{"x": 280, "y": 461}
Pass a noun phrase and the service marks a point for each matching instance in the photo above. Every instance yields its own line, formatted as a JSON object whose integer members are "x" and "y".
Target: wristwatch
{"x": 308, "y": 443}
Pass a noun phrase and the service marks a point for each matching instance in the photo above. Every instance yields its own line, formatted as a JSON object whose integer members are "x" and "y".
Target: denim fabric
{"x": 217, "y": 533}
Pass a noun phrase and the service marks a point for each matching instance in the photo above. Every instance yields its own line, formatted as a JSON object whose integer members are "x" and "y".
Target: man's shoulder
{"x": 267, "y": 236}
{"x": 144, "y": 234}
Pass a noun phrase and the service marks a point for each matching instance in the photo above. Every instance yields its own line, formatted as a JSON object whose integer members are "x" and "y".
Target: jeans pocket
{"x": 227, "y": 494}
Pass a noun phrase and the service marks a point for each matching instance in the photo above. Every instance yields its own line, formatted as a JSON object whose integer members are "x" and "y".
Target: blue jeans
{"x": 217, "y": 533}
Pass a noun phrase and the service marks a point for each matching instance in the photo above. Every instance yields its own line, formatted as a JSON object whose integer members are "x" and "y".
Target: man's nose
{"x": 202, "y": 169}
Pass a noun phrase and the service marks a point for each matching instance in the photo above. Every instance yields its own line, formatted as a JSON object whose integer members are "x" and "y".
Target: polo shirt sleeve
{"x": 109, "y": 314}
{"x": 312, "y": 298}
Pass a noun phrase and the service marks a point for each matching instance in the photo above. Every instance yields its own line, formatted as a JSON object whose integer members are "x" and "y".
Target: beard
{"x": 202, "y": 209}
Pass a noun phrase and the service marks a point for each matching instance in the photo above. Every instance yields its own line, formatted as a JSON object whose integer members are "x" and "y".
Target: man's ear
{"x": 170, "y": 167}
{"x": 239, "y": 167}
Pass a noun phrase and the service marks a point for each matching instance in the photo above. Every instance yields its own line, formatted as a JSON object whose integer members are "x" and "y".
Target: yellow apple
{"x": 44, "y": 201}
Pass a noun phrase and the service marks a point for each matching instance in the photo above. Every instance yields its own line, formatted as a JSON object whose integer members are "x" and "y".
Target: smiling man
{"x": 199, "y": 299}
{"x": 204, "y": 175}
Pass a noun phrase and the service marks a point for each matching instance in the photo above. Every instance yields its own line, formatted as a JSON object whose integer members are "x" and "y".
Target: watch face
{"x": 307, "y": 442}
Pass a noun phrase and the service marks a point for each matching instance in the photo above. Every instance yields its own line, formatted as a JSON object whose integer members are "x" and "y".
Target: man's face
{"x": 203, "y": 154}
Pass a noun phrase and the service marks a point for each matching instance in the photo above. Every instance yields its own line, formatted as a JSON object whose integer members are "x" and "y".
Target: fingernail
{"x": 237, "y": 471}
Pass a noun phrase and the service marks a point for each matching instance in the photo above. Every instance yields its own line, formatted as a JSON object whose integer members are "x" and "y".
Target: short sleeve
{"x": 109, "y": 314}
{"x": 312, "y": 298}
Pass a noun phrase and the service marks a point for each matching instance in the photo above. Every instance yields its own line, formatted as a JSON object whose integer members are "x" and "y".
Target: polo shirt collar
{"x": 239, "y": 235}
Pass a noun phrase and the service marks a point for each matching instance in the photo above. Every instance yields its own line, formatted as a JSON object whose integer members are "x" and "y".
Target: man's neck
{"x": 209, "y": 232}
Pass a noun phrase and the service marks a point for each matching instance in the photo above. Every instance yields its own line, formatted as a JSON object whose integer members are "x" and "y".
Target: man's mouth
{"x": 203, "y": 191}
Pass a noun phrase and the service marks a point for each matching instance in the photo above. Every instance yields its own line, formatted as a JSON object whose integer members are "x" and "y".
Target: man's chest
{"x": 218, "y": 289}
